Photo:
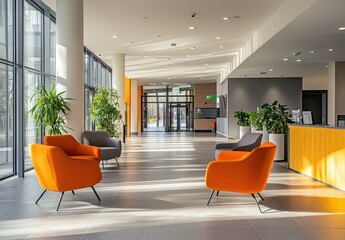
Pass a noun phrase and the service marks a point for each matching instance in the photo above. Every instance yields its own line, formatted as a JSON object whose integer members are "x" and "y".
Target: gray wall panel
{"x": 243, "y": 94}
{"x": 250, "y": 93}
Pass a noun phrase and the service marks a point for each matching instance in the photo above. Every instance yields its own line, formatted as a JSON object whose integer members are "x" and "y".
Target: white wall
{"x": 315, "y": 83}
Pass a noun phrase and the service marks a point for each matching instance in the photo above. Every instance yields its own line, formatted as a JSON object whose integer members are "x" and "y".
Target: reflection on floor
{"x": 158, "y": 192}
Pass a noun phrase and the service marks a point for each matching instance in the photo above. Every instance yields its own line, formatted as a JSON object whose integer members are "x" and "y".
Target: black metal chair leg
{"x": 41, "y": 196}
{"x": 57, "y": 208}
{"x": 95, "y": 193}
{"x": 117, "y": 162}
{"x": 257, "y": 204}
{"x": 217, "y": 193}
{"x": 209, "y": 200}
{"x": 102, "y": 164}
{"x": 73, "y": 192}
{"x": 261, "y": 197}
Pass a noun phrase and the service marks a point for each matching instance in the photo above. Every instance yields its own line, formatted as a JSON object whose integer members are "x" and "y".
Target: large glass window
{"x": 6, "y": 120}
{"x": 86, "y": 68}
{"x": 6, "y": 29}
{"x": 52, "y": 48}
{"x": 32, "y": 82}
{"x": 33, "y": 22}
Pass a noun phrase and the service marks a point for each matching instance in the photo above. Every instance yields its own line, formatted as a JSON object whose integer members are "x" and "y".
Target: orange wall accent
{"x": 128, "y": 104}
{"x": 140, "y": 91}
{"x": 319, "y": 152}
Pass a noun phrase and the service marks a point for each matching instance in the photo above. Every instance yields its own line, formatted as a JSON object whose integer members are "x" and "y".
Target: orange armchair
{"x": 65, "y": 167}
{"x": 241, "y": 172}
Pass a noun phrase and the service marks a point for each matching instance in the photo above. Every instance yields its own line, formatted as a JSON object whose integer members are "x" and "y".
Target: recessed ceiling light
{"x": 145, "y": 56}
{"x": 192, "y": 28}
{"x": 169, "y": 78}
{"x": 221, "y": 46}
{"x": 312, "y": 51}
{"x": 330, "y": 50}
{"x": 206, "y": 64}
{"x": 218, "y": 38}
{"x": 203, "y": 68}
{"x": 225, "y": 18}
{"x": 114, "y": 36}
{"x": 192, "y": 48}
{"x": 341, "y": 28}
{"x": 299, "y": 60}
{"x": 188, "y": 56}
{"x": 285, "y": 59}
{"x": 326, "y": 66}
{"x": 270, "y": 70}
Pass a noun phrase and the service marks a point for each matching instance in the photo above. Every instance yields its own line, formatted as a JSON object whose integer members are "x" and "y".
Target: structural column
{"x": 118, "y": 67}
{"x": 70, "y": 59}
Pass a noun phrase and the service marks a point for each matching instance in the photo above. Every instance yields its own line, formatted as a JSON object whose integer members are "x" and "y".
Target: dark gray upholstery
{"x": 110, "y": 148}
{"x": 247, "y": 143}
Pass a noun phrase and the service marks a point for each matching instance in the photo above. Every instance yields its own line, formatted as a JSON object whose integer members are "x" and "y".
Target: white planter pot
{"x": 278, "y": 140}
{"x": 244, "y": 130}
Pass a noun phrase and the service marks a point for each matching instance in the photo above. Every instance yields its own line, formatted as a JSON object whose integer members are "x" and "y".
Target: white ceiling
{"x": 146, "y": 29}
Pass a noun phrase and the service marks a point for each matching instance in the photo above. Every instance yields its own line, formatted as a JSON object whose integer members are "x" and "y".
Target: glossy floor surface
{"x": 158, "y": 192}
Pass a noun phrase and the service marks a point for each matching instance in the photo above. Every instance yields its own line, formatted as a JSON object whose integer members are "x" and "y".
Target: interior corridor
{"x": 158, "y": 192}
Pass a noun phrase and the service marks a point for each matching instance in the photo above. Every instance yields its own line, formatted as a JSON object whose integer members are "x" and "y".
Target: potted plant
{"x": 256, "y": 120}
{"x": 50, "y": 110}
{"x": 105, "y": 111}
{"x": 242, "y": 121}
{"x": 276, "y": 119}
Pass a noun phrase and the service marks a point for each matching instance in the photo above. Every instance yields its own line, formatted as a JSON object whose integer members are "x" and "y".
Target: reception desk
{"x": 318, "y": 152}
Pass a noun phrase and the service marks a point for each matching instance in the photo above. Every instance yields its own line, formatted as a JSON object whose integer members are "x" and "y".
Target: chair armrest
{"x": 230, "y": 176}
{"x": 117, "y": 143}
{"x": 231, "y": 155}
{"x": 226, "y": 145}
{"x": 89, "y": 150}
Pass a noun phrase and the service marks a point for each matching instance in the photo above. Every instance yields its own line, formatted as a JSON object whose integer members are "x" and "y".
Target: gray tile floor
{"x": 158, "y": 192}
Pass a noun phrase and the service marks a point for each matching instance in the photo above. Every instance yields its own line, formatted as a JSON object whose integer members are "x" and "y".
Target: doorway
{"x": 316, "y": 102}
{"x": 179, "y": 117}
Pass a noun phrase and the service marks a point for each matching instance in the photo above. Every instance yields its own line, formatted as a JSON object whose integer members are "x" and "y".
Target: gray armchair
{"x": 248, "y": 142}
{"x": 110, "y": 148}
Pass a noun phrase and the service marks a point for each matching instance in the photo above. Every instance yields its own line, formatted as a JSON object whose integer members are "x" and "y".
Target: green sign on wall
{"x": 211, "y": 98}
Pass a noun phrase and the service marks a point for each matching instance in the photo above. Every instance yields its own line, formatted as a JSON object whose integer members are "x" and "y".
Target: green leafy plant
{"x": 256, "y": 120}
{"x": 105, "y": 111}
{"x": 50, "y": 110}
{"x": 276, "y": 117}
{"x": 242, "y": 118}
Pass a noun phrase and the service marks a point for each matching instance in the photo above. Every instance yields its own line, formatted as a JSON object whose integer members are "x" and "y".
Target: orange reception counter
{"x": 318, "y": 152}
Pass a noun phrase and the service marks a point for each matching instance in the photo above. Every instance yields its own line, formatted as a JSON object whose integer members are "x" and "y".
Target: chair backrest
{"x": 249, "y": 141}
{"x": 96, "y": 138}
{"x": 66, "y": 142}
{"x": 260, "y": 162}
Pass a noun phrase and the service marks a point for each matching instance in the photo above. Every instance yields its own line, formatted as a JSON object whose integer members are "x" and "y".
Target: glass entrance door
{"x": 179, "y": 120}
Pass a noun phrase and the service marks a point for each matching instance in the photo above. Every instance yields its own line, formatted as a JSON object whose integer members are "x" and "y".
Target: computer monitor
{"x": 307, "y": 117}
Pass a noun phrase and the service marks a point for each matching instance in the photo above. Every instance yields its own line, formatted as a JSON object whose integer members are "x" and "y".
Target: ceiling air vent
{"x": 173, "y": 44}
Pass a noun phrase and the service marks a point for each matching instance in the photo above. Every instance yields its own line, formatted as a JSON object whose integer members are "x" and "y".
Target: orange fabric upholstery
{"x": 243, "y": 173}
{"x": 56, "y": 171}
{"x": 72, "y": 147}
